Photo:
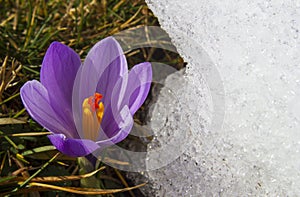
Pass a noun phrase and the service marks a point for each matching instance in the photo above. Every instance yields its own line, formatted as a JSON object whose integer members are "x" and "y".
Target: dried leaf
{"x": 5, "y": 121}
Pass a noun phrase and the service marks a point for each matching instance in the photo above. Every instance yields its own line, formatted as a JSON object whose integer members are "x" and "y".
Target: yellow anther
{"x": 100, "y": 112}
{"x": 92, "y": 114}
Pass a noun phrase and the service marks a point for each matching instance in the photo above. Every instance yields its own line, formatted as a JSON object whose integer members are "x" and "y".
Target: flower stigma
{"x": 92, "y": 114}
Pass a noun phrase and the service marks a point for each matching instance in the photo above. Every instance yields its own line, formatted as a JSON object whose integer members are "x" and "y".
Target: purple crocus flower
{"x": 87, "y": 106}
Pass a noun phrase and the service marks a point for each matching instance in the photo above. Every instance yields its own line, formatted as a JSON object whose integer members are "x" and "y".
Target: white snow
{"x": 255, "y": 47}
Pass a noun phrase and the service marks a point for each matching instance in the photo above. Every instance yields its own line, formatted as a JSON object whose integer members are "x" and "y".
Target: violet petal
{"x": 58, "y": 73}
{"x": 36, "y": 101}
{"x": 130, "y": 90}
{"x": 73, "y": 147}
{"x": 138, "y": 86}
{"x": 110, "y": 76}
{"x": 99, "y": 58}
{"x": 110, "y": 121}
{"x": 124, "y": 122}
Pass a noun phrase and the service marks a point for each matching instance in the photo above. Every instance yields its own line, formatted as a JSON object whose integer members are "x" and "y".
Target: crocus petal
{"x": 110, "y": 76}
{"x": 110, "y": 121}
{"x": 58, "y": 73}
{"x": 73, "y": 147}
{"x": 138, "y": 86}
{"x": 130, "y": 91}
{"x": 125, "y": 124}
{"x": 105, "y": 53}
{"x": 123, "y": 121}
{"x": 36, "y": 101}
{"x": 99, "y": 58}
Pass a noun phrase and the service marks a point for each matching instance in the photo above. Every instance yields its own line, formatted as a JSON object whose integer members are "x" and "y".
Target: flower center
{"x": 92, "y": 114}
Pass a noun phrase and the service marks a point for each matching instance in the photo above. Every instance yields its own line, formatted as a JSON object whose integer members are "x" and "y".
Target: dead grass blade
{"x": 86, "y": 191}
{"x": 5, "y": 121}
{"x": 13, "y": 179}
{"x": 24, "y": 134}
